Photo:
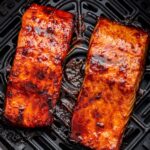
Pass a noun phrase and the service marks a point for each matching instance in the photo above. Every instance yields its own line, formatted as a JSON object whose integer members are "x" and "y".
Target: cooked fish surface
{"x": 113, "y": 72}
{"x": 35, "y": 79}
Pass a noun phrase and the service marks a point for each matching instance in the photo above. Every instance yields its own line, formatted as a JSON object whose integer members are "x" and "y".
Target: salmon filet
{"x": 113, "y": 72}
{"x": 35, "y": 78}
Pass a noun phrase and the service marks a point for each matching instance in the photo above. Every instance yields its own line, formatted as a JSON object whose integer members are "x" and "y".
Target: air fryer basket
{"x": 133, "y": 12}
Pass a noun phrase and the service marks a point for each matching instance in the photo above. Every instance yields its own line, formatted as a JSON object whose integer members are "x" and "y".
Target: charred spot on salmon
{"x": 50, "y": 30}
{"x": 90, "y": 77}
{"x": 100, "y": 68}
{"x": 20, "y": 114}
{"x": 132, "y": 46}
{"x": 96, "y": 114}
{"x": 121, "y": 48}
{"x": 91, "y": 100}
{"x": 43, "y": 92}
{"x": 29, "y": 86}
{"x": 25, "y": 52}
{"x": 49, "y": 102}
{"x": 54, "y": 21}
{"x": 40, "y": 74}
{"x": 139, "y": 45}
{"x": 78, "y": 133}
{"x": 48, "y": 11}
{"x": 29, "y": 43}
{"x": 110, "y": 83}
{"x": 51, "y": 40}
{"x": 98, "y": 95}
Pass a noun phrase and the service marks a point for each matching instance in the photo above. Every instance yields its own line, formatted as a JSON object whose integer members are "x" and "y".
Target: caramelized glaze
{"x": 113, "y": 71}
{"x": 35, "y": 79}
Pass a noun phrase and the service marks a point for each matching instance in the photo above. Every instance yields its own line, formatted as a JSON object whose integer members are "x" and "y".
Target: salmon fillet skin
{"x": 35, "y": 78}
{"x": 113, "y": 71}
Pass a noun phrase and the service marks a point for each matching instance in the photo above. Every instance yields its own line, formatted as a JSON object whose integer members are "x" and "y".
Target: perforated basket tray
{"x": 134, "y": 12}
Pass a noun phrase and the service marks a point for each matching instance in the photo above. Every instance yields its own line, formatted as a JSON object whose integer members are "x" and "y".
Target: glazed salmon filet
{"x": 113, "y": 72}
{"x": 35, "y": 79}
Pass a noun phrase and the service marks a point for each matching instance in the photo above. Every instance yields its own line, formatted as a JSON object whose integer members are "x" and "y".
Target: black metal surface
{"x": 134, "y": 12}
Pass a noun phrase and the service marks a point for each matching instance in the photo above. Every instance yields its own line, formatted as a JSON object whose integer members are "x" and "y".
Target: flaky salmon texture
{"x": 35, "y": 79}
{"x": 114, "y": 68}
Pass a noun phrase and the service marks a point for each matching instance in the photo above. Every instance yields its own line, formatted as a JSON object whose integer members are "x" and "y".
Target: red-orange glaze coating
{"x": 35, "y": 78}
{"x": 113, "y": 71}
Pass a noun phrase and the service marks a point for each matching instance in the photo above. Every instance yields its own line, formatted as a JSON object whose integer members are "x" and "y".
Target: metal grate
{"x": 134, "y": 12}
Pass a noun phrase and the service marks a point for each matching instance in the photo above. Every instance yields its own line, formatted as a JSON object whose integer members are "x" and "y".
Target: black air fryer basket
{"x": 132, "y": 12}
